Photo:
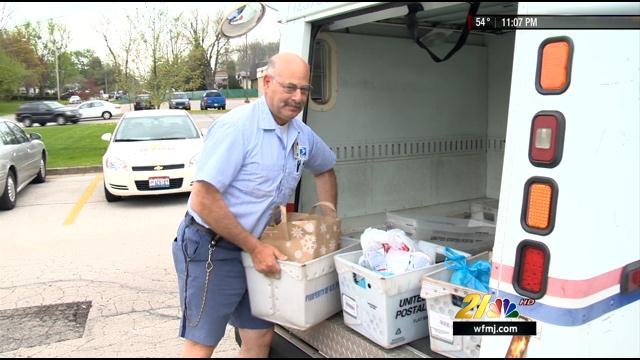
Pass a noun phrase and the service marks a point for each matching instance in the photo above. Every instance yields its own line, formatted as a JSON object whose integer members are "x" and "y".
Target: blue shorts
{"x": 227, "y": 299}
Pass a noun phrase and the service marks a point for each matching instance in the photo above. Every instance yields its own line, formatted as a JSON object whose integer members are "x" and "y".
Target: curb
{"x": 75, "y": 170}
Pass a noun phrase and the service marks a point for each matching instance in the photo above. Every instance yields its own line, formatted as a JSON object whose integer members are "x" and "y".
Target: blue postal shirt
{"x": 246, "y": 159}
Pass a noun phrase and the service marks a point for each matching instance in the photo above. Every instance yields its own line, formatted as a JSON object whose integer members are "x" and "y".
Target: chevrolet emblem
{"x": 158, "y": 168}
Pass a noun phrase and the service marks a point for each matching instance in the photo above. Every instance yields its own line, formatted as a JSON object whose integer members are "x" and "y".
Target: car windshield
{"x": 147, "y": 128}
{"x": 54, "y": 104}
{"x": 180, "y": 96}
{"x": 213, "y": 94}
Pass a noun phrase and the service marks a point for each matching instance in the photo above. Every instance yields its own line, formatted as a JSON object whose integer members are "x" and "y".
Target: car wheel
{"x": 26, "y": 122}
{"x": 106, "y": 115}
{"x": 109, "y": 196}
{"x": 60, "y": 120}
{"x": 42, "y": 173}
{"x": 224, "y": 107}
{"x": 8, "y": 199}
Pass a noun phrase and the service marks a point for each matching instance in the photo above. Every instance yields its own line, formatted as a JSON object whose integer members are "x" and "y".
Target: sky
{"x": 84, "y": 20}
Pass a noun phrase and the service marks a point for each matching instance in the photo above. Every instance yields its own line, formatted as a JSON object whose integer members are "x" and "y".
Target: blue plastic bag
{"x": 475, "y": 276}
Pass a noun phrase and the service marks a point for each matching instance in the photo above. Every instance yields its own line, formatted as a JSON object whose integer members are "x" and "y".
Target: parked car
{"x": 43, "y": 112}
{"x": 143, "y": 102}
{"x": 213, "y": 99}
{"x": 98, "y": 108}
{"x": 23, "y": 159}
{"x": 180, "y": 100}
{"x": 151, "y": 152}
{"x": 75, "y": 99}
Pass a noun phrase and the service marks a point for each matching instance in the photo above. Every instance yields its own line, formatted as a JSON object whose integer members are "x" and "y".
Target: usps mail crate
{"x": 304, "y": 295}
{"x": 466, "y": 235}
{"x": 444, "y": 300}
{"x": 387, "y": 310}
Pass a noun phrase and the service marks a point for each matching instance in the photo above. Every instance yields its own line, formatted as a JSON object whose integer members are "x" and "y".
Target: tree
{"x": 12, "y": 75}
{"x": 257, "y": 54}
{"x": 55, "y": 43}
{"x": 153, "y": 40}
{"x": 33, "y": 34}
{"x": 122, "y": 59}
{"x": 233, "y": 82}
{"x": 196, "y": 63}
{"x": 5, "y": 16}
{"x": 205, "y": 38}
{"x": 17, "y": 46}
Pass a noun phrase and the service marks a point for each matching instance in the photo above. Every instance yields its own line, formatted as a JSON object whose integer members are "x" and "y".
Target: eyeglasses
{"x": 291, "y": 88}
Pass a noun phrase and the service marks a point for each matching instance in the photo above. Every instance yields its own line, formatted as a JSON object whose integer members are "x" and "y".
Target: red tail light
{"x": 531, "y": 270}
{"x": 546, "y": 139}
{"x": 630, "y": 277}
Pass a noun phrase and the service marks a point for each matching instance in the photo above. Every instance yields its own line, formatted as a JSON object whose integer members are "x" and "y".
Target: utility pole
{"x": 106, "y": 85}
{"x": 57, "y": 75}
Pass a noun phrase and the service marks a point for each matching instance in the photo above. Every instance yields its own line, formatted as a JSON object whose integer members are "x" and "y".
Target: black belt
{"x": 192, "y": 221}
{"x": 222, "y": 243}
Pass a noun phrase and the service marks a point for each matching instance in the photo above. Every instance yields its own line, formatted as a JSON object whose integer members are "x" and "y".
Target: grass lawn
{"x": 74, "y": 145}
{"x": 9, "y": 107}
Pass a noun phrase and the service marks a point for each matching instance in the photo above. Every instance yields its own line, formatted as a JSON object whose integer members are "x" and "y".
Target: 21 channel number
{"x": 472, "y": 301}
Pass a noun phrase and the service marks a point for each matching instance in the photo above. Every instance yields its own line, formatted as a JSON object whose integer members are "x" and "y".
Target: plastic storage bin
{"x": 306, "y": 293}
{"x": 444, "y": 300}
{"x": 387, "y": 310}
{"x": 469, "y": 236}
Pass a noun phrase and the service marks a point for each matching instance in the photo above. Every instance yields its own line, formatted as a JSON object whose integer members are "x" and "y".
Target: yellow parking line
{"x": 83, "y": 199}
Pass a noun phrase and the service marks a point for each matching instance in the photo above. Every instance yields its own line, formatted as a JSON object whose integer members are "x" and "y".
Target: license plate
{"x": 159, "y": 182}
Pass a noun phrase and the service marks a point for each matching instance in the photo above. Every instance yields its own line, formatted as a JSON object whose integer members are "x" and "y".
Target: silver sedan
{"x": 23, "y": 159}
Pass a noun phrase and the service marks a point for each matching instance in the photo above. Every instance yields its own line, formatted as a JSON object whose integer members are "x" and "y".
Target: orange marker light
{"x": 539, "y": 206}
{"x": 555, "y": 58}
{"x": 554, "y": 65}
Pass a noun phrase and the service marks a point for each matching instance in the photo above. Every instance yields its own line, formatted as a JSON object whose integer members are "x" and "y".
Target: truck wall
{"x": 410, "y": 132}
{"x": 500, "y": 63}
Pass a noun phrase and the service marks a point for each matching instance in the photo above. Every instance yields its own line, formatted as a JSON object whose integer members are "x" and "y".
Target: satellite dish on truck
{"x": 242, "y": 20}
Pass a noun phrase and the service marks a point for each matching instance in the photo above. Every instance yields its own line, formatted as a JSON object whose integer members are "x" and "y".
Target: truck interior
{"x": 413, "y": 137}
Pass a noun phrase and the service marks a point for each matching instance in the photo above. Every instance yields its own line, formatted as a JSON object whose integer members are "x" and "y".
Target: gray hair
{"x": 271, "y": 66}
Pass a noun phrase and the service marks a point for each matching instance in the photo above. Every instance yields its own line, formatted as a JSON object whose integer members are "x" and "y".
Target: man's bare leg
{"x": 193, "y": 349}
{"x": 255, "y": 343}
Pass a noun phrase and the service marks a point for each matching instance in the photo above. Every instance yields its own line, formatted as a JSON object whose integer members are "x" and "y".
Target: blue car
{"x": 213, "y": 99}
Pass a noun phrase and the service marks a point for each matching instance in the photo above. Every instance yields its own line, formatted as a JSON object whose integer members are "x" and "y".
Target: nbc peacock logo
{"x": 475, "y": 307}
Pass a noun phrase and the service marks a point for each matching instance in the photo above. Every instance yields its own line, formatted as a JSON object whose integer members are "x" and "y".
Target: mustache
{"x": 294, "y": 104}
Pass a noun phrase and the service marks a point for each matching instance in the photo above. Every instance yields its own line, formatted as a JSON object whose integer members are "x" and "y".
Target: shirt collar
{"x": 266, "y": 121}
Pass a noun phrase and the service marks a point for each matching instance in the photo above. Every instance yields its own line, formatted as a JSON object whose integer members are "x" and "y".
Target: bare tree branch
{"x": 5, "y": 16}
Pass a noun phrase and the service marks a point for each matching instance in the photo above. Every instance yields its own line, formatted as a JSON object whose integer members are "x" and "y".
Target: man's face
{"x": 286, "y": 93}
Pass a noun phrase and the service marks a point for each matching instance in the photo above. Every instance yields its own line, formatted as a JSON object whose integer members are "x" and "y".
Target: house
{"x": 222, "y": 79}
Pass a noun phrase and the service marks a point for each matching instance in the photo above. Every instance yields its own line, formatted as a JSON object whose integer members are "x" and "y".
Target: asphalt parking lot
{"x": 82, "y": 277}
{"x": 65, "y": 244}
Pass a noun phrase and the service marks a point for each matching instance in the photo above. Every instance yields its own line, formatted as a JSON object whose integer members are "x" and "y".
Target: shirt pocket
{"x": 262, "y": 180}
